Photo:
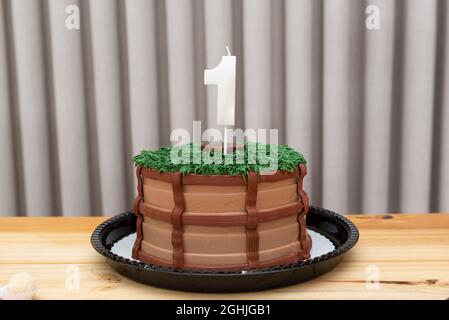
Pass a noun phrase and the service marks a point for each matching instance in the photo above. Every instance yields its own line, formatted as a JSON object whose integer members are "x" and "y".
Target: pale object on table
{"x": 21, "y": 286}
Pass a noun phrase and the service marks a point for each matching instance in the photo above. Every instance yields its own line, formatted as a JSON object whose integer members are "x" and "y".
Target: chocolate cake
{"x": 220, "y": 217}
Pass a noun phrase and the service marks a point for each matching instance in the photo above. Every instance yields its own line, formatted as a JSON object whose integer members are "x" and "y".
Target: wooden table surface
{"x": 410, "y": 254}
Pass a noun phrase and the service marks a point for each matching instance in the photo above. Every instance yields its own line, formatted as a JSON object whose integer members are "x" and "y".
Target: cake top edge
{"x": 194, "y": 159}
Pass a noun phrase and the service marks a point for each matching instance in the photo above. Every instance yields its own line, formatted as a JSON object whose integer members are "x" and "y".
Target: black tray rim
{"x": 104, "y": 227}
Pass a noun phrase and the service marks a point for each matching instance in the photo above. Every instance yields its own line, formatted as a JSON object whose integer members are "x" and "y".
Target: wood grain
{"x": 411, "y": 253}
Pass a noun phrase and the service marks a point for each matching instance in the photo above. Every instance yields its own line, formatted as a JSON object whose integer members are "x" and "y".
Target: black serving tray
{"x": 339, "y": 230}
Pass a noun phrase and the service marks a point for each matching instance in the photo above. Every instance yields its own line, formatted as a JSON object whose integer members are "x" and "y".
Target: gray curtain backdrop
{"x": 369, "y": 109}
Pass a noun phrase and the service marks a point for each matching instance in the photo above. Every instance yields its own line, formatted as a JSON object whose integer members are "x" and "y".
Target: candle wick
{"x": 227, "y": 49}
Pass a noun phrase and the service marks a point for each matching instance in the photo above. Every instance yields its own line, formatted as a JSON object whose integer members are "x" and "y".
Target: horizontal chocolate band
{"x": 216, "y": 180}
{"x": 149, "y": 259}
{"x": 137, "y": 200}
{"x": 220, "y": 219}
{"x": 279, "y": 175}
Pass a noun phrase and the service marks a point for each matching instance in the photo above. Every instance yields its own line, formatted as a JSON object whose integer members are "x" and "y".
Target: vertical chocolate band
{"x": 176, "y": 220}
{"x": 252, "y": 235}
{"x": 303, "y": 237}
{"x": 137, "y": 200}
{"x": 302, "y": 171}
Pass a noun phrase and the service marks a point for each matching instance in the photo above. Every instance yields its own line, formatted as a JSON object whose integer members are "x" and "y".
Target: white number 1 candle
{"x": 223, "y": 76}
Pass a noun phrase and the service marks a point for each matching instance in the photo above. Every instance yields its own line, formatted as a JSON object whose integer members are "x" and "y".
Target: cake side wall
{"x": 224, "y": 246}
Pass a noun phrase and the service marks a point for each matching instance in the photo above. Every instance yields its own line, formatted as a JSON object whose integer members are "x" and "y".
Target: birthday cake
{"x": 227, "y": 216}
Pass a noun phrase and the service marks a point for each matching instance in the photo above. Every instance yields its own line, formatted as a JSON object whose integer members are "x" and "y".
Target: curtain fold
{"x": 378, "y": 105}
{"x": 441, "y": 147}
{"x": 368, "y": 108}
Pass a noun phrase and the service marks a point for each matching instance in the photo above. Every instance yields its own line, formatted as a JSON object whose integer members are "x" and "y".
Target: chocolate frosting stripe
{"x": 176, "y": 220}
{"x": 136, "y": 206}
{"x": 215, "y": 180}
{"x": 149, "y": 259}
{"x": 220, "y": 219}
{"x": 252, "y": 234}
{"x": 303, "y": 237}
{"x": 302, "y": 171}
{"x": 196, "y": 179}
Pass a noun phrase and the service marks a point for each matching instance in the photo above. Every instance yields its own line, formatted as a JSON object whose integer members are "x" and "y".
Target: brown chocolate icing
{"x": 216, "y": 180}
{"x": 216, "y": 219}
{"x": 149, "y": 259}
{"x": 176, "y": 220}
{"x": 304, "y": 238}
{"x": 136, "y": 204}
{"x": 252, "y": 222}
{"x": 302, "y": 171}
{"x": 196, "y": 179}
{"x": 274, "y": 238}
{"x": 167, "y": 197}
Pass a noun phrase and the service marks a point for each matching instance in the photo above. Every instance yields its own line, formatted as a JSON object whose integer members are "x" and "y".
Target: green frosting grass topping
{"x": 189, "y": 159}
